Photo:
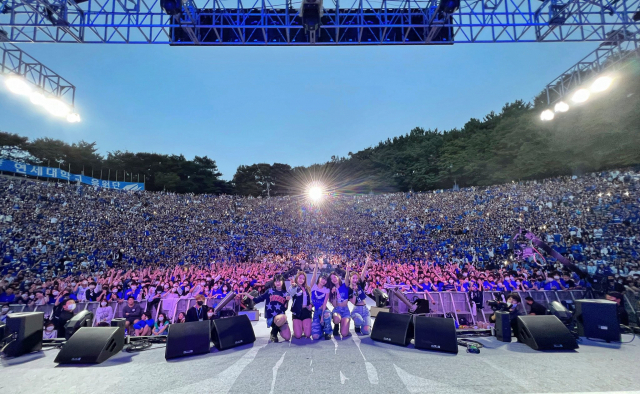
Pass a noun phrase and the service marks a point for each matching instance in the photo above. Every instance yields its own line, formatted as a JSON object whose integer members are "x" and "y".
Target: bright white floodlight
{"x": 580, "y": 96}
{"x": 601, "y": 84}
{"x": 37, "y": 98}
{"x": 56, "y": 107}
{"x": 73, "y": 118}
{"x": 547, "y": 114}
{"x": 18, "y": 85}
{"x": 561, "y": 107}
{"x": 315, "y": 193}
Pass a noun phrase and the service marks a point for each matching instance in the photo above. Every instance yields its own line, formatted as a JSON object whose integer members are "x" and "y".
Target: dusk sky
{"x": 291, "y": 105}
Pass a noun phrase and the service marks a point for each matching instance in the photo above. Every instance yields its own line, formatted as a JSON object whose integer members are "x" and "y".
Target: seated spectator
{"x": 181, "y": 318}
{"x": 49, "y": 331}
{"x": 132, "y": 312}
{"x": 161, "y": 326}
{"x": 104, "y": 313}
{"x": 4, "y": 312}
{"x": 144, "y": 326}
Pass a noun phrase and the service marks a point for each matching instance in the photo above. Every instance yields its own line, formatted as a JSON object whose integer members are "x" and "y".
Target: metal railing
{"x": 459, "y": 304}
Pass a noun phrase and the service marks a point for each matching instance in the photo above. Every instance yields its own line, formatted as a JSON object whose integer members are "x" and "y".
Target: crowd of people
{"x": 63, "y": 244}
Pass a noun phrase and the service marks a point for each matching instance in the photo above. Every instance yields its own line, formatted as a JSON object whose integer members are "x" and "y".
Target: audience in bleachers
{"x": 64, "y": 242}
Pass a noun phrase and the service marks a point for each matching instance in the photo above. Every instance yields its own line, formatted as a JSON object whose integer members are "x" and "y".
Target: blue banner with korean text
{"x": 57, "y": 173}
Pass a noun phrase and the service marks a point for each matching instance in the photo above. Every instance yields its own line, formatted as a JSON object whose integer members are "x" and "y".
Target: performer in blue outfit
{"x": 277, "y": 302}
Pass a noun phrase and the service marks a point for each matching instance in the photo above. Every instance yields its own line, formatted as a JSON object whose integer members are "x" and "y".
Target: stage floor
{"x": 351, "y": 365}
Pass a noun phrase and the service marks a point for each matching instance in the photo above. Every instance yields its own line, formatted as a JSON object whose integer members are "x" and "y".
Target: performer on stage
{"x": 357, "y": 296}
{"x": 301, "y": 307}
{"x": 339, "y": 298}
{"x": 275, "y": 307}
{"x": 321, "y": 316}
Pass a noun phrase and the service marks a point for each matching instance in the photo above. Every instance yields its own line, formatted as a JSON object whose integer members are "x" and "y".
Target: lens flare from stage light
{"x": 315, "y": 193}
{"x": 601, "y": 84}
{"x": 547, "y": 114}
{"x": 18, "y": 85}
{"x": 580, "y": 96}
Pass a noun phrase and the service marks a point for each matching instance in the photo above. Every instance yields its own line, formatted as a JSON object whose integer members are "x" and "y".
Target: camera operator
{"x": 534, "y": 307}
{"x": 511, "y": 306}
{"x": 623, "y": 316}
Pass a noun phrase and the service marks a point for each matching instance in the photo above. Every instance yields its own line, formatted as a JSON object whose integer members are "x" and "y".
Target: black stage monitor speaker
{"x": 232, "y": 331}
{"x": 503, "y": 326}
{"x": 188, "y": 339}
{"x": 393, "y": 328}
{"x": 91, "y": 345}
{"x": 598, "y": 319}
{"x": 25, "y": 329}
{"x": 82, "y": 319}
{"x": 119, "y": 322}
{"x": 436, "y": 333}
{"x": 545, "y": 333}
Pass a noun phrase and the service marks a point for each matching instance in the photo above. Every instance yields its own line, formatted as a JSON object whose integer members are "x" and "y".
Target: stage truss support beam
{"x": 356, "y": 22}
{"x": 14, "y": 61}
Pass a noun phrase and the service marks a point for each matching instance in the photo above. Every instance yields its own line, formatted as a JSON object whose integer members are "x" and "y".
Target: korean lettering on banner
{"x": 115, "y": 185}
{"x": 64, "y": 174}
{"x": 51, "y": 172}
{"x": 35, "y": 171}
{"x": 20, "y": 168}
{"x": 95, "y": 182}
{"x": 105, "y": 183}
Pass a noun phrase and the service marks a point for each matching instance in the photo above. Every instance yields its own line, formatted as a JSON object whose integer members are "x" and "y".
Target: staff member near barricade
{"x": 357, "y": 296}
{"x": 321, "y": 323}
{"x": 275, "y": 307}
{"x": 339, "y": 298}
{"x": 199, "y": 311}
{"x": 301, "y": 307}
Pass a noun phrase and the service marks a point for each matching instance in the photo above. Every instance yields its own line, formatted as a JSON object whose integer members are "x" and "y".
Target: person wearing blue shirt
{"x": 7, "y": 296}
{"x": 339, "y": 298}
{"x": 553, "y": 284}
{"x": 489, "y": 284}
{"x": 133, "y": 290}
{"x": 277, "y": 302}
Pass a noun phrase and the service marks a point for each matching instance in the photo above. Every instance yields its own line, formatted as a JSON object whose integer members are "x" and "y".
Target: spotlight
{"x": 547, "y": 114}
{"x": 18, "y": 85}
{"x": 56, "y": 107}
{"x": 37, "y": 98}
{"x": 601, "y": 84}
{"x": 580, "y": 96}
{"x": 561, "y": 107}
{"x": 315, "y": 193}
{"x": 73, "y": 118}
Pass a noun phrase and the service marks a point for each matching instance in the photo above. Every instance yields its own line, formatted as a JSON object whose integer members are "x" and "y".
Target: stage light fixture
{"x": 56, "y": 107}
{"x": 601, "y": 84}
{"x": 547, "y": 114}
{"x": 18, "y": 85}
{"x": 580, "y": 96}
{"x": 37, "y": 98}
{"x": 73, "y": 118}
{"x": 561, "y": 107}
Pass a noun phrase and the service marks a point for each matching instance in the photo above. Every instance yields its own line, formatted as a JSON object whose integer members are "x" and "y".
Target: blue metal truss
{"x": 358, "y": 22}
{"x": 14, "y": 61}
